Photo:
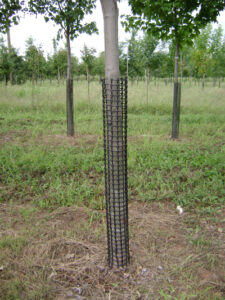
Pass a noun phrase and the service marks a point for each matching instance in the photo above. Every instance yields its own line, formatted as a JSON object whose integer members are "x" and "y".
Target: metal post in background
{"x": 115, "y": 157}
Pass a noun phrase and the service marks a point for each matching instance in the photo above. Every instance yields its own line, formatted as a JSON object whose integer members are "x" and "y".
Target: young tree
{"x": 176, "y": 20}
{"x": 148, "y": 46}
{"x": 55, "y": 59}
{"x": 99, "y": 65}
{"x": 60, "y": 64}
{"x": 4, "y": 62}
{"x": 134, "y": 56}
{"x": 87, "y": 55}
{"x": 202, "y": 53}
{"x": 9, "y": 15}
{"x": 218, "y": 54}
{"x": 34, "y": 59}
{"x": 69, "y": 15}
{"x": 116, "y": 186}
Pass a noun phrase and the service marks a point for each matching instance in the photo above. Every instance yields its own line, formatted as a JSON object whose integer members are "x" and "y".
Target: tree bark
{"x": 117, "y": 211}
{"x": 176, "y": 98}
{"x": 69, "y": 91}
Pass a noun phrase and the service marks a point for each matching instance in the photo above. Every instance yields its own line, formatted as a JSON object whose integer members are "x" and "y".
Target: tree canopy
{"x": 68, "y": 14}
{"x": 179, "y": 20}
{"x": 9, "y": 13}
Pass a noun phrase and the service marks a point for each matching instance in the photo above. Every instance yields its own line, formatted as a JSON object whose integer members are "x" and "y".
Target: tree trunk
{"x": 203, "y": 81}
{"x": 69, "y": 91}
{"x": 176, "y": 98}
{"x": 10, "y": 50}
{"x": 147, "y": 83}
{"x": 32, "y": 84}
{"x": 6, "y": 80}
{"x": 88, "y": 80}
{"x": 58, "y": 76}
{"x": 115, "y": 145}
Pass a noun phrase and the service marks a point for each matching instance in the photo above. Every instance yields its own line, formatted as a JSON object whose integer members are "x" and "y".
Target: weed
{"x": 15, "y": 244}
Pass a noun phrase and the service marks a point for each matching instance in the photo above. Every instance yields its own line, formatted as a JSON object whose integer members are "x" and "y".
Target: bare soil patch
{"x": 22, "y": 137}
{"x": 76, "y": 140}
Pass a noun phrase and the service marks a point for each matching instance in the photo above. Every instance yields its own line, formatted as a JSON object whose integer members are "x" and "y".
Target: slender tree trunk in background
{"x": 147, "y": 83}
{"x": 58, "y": 76}
{"x": 203, "y": 81}
{"x": 10, "y": 50}
{"x": 176, "y": 98}
{"x": 6, "y": 80}
{"x": 69, "y": 91}
{"x": 219, "y": 82}
{"x": 32, "y": 84}
{"x": 117, "y": 228}
{"x": 214, "y": 82}
{"x": 88, "y": 80}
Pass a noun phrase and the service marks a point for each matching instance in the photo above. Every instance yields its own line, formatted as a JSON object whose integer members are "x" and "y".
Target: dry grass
{"x": 62, "y": 255}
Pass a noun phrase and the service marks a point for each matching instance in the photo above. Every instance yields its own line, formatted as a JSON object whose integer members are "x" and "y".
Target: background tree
{"x": 69, "y": 15}
{"x": 134, "y": 56}
{"x": 87, "y": 55}
{"x": 202, "y": 53}
{"x": 176, "y": 20}
{"x": 9, "y": 15}
{"x": 60, "y": 64}
{"x": 99, "y": 65}
{"x": 4, "y": 62}
{"x": 218, "y": 54}
{"x": 148, "y": 46}
{"x": 56, "y": 59}
{"x": 34, "y": 59}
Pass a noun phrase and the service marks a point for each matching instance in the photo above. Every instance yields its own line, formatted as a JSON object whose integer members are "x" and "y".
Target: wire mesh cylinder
{"x": 115, "y": 157}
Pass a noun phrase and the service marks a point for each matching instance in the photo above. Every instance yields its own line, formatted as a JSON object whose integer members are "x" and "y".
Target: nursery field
{"x": 52, "y": 210}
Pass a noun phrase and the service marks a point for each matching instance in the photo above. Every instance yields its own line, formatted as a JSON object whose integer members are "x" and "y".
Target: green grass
{"x": 189, "y": 171}
{"x": 52, "y": 195}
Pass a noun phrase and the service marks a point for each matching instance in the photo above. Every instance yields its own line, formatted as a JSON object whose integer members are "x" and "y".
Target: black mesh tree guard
{"x": 115, "y": 157}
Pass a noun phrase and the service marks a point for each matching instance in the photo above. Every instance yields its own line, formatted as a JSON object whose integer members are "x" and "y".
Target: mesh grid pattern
{"x": 115, "y": 157}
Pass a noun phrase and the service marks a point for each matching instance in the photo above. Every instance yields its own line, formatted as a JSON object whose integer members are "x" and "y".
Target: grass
{"x": 52, "y": 224}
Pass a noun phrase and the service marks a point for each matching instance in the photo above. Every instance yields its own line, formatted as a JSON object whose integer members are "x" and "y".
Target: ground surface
{"x": 52, "y": 211}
